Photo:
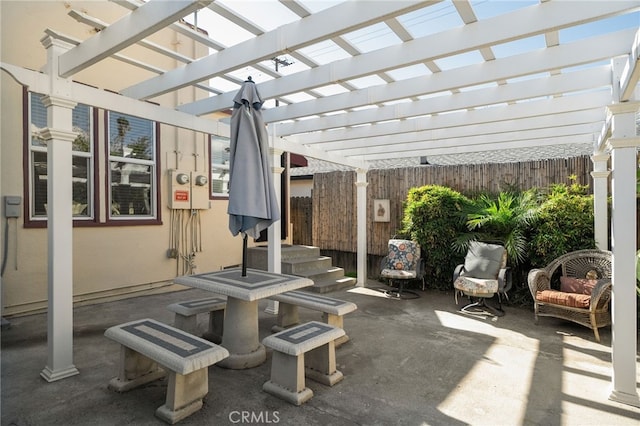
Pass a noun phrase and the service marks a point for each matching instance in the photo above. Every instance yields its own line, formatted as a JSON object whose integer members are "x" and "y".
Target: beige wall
{"x": 108, "y": 261}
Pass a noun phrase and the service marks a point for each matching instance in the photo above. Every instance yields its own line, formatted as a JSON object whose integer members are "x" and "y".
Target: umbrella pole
{"x": 244, "y": 255}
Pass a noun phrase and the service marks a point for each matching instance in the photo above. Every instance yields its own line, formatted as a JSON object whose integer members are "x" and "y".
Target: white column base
{"x": 51, "y": 376}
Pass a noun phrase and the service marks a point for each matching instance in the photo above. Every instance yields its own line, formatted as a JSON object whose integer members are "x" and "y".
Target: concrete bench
{"x": 147, "y": 344}
{"x": 332, "y": 310}
{"x": 313, "y": 343}
{"x": 186, "y": 316}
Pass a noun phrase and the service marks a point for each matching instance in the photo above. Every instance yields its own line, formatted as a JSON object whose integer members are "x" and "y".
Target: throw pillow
{"x": 483, "y": 260}
{"x": 578, "y": 285}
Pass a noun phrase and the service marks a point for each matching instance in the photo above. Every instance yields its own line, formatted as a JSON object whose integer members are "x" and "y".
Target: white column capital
{"x": 600, "y": 157}
{"x": 50, "y": 134}
{"x": 632, "y": 142}
{"x": 49, "y": 40}
{"x": 624, "y": 107}
{"x": 58, "y": 101}
{"x": 275, "y": 151}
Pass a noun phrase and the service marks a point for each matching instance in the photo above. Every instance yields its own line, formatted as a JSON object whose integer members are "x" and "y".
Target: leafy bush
{"x": 433, "y": 216}
{"x": 564, "y": 224}
{"x": 503, "y": 220}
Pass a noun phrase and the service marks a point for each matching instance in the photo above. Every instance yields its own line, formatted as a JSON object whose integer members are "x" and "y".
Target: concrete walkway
{"x": 409, "y": 362}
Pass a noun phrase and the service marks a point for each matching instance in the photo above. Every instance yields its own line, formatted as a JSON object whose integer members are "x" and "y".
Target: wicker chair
{"x": 594, "y": 265}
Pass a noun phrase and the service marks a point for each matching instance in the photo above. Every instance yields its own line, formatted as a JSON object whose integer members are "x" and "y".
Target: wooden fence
{"x": 333, "y": 202}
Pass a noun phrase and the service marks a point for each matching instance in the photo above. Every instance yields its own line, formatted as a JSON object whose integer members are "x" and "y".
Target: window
{"x": 132, "y": 167}
{"x": 219, "y": 166}
{"x": 83, "y": 184}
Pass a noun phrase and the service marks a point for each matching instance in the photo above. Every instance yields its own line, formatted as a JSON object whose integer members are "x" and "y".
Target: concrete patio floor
{"x": 409, "y": 362}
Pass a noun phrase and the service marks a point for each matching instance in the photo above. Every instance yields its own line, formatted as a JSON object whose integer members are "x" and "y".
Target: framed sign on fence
{"x": 381, "y": 210}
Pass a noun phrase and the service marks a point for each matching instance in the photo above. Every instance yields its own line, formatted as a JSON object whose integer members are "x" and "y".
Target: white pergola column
{"x": 361, "y": 200}
{"x": 600, "y": 175}
{"x": 274, "y": 233}
{"x": 624, "y": 143}
{"x": 59, "y": 137}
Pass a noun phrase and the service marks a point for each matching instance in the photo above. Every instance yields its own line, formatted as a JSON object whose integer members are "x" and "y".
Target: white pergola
{"x": 377, "y": 81}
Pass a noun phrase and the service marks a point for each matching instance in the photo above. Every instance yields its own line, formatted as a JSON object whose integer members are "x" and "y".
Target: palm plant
{"x": 503, "y": 220}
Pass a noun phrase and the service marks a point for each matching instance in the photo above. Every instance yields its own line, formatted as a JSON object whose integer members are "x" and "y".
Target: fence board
{"x": 333, "y": 205}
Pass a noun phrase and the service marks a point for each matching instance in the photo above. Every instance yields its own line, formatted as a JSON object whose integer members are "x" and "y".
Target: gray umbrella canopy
{"x": 253, "y": 206}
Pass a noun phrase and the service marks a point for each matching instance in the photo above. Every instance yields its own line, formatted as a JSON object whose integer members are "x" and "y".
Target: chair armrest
{"x": 383, "y": 263}
{"x": 456, "y": 273}
{"x": 504, "y": 280}
{"x": 538, "y": 280}
{"x": 600, "y": 295}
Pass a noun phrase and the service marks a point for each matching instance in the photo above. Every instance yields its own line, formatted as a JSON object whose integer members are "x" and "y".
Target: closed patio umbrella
{"x": 253, "y": 206}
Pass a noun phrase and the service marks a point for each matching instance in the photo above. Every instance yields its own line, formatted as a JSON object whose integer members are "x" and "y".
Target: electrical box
{"x": 12, "y": 206}
{"x": 199, "y": 191}
{"x": 188, "y": 190}
{"x": 179, "y": 189}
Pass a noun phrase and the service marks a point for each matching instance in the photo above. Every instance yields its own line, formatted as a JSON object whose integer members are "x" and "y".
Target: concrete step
{"x": 302, "y": 265}
{"x": 257, "y": 257}
{"x": 327, "y": 286}
{"x": 303, "y": 261}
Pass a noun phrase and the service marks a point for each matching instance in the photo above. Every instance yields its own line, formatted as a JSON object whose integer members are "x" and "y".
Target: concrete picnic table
{"x": 240, "y": 333}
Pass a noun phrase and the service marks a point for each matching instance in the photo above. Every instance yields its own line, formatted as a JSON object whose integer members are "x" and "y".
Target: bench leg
{"x": 216, "y": 326}
{"x": 184, "y": 395}
{"x": 187, "y": 323}
{"x": 287, "y": 379}
{"x": 321, "y": 365}
{"x": 134, "y": 370}
{"x": 337, "y": 321}
{"x": 287, "y": 317}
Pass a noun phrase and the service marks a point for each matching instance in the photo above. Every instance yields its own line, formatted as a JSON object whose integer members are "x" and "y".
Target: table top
{"x": 256, "y": 285}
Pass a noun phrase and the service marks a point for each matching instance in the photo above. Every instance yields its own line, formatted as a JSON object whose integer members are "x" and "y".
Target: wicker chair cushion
{"x": 483, "y": 260}
{"x": 573, "y": 300}
{"x": 577, "y": 285}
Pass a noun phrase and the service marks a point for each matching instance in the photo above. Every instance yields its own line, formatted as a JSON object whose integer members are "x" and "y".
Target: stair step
{"x": 327, "y": 286}
{"x": 302, "y": 265}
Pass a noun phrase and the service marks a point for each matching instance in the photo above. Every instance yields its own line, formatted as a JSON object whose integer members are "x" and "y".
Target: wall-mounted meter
{"x": 182, "y": 178}
{"x": 188, "y": 190}
{"x": 201, "y": 180}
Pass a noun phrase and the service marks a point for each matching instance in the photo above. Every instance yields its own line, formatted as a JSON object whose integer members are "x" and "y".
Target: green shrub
{"x": 433, "y": 216}
{"x": 503, "y": 219}
{"x": 564, "y": 224}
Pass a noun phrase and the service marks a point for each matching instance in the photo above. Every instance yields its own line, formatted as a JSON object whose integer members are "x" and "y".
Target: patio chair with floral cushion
{"x": 575, "y": 287}
{"x": 483, "y": 275}
{"x": 401, "y": 265}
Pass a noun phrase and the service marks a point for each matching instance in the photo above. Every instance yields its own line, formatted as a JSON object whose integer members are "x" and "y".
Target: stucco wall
{"x": 108, "y": 261}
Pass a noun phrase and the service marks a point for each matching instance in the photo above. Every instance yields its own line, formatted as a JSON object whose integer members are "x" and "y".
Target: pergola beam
{"x": 149, "y": 18}
{"x": 496, "y": 130}
{"x": 571, "y": 54}
{"x": 571, "y": 82}
{"x": 344, "y": 17}
{"x": 549, "y": 17}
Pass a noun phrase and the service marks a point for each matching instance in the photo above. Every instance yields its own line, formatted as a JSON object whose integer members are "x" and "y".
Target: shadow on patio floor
{"x": 409, "y": 362}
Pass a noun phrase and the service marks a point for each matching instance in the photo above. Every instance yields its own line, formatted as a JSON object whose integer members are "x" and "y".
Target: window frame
{"x": 155, "y": 202}
{"x": 30, "y": 219}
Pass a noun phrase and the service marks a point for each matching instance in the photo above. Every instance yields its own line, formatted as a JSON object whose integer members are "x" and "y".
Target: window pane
{"x": 219, "y": 166}
{"x": 82, "y": 171}
{"x": 39, "y": 183}
{"x": 131, "y": 189}
{"x": 81, "y": 123}
{"x": 82, "y": 126}
{"x": 81, "y": 185}
{"x": 131, "y": 137}
{"x": 38, "y": 119}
